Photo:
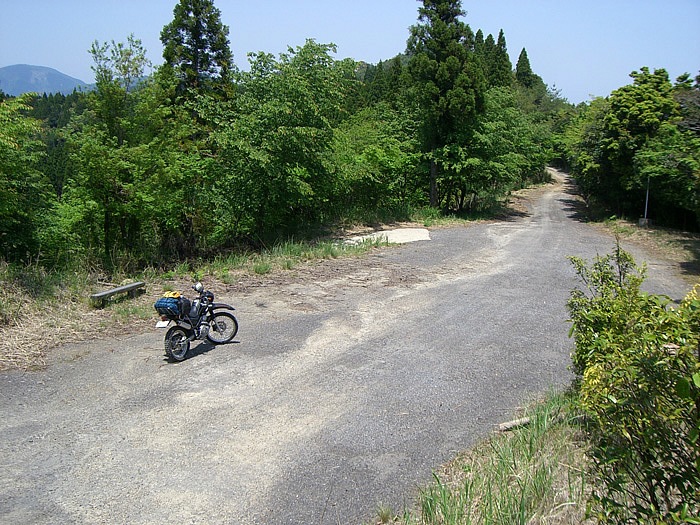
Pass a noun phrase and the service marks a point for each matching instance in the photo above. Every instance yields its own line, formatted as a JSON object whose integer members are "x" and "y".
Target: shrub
{"x": 638, "y": 368}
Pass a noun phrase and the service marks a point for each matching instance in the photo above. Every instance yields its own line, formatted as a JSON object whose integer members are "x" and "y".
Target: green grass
{"x": 533, "y": 474}
{"x": 262, "y": 267}
{"x": 283, "y": 256}
{"x": 126, "y": 311}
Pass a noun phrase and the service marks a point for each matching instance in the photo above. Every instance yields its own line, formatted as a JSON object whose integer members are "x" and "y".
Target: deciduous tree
{"x": 273, "y": 139}
{"x": 23, "y": 189}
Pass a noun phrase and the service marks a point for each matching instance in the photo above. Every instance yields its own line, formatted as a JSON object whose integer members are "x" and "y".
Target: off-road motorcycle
{"x": 200, "y": 319}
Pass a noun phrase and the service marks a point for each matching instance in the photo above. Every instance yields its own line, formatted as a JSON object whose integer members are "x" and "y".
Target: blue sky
{"x": 583, "y": 48}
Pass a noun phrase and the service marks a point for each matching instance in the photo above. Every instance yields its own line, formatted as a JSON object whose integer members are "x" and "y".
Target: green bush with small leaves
{"x": 637, "y": 361}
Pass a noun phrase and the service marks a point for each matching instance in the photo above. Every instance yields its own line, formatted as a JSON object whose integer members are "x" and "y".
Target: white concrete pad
{"x": 397, "y": 236}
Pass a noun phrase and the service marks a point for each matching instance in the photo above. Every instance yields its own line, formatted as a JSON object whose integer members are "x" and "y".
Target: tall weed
{"x": 525, "y": 476}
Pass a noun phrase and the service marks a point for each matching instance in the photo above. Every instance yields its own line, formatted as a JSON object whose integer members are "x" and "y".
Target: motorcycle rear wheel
{"x": 177, "y": 344}
{"x": 223, "y": 327}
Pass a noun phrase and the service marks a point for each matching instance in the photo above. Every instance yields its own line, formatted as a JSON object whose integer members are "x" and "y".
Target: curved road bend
{"x": 342, "y": 391}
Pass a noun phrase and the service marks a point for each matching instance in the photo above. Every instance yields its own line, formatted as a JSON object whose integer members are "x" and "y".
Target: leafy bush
{"x": 639, "y": 370}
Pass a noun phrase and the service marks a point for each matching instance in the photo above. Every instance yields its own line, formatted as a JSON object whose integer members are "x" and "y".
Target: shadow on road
{"x": 574, "y": 205}
{"x": 203, "y": 348}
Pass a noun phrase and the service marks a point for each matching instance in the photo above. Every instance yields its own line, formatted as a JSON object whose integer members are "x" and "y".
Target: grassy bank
{"x": 534, "y": 473}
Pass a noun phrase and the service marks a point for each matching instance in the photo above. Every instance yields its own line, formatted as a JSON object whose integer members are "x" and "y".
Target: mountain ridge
{"x": 18, "y": 79}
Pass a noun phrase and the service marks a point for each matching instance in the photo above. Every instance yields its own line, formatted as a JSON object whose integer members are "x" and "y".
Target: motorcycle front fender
{"x": 221, "y": 306}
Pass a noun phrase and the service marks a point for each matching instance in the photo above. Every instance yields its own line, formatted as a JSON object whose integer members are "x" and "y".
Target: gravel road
{"x": 348, "y": 382}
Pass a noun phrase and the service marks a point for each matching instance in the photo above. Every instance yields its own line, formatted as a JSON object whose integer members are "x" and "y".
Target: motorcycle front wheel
{"x": 177, "y": 343}
{"x": 223, "y": 327}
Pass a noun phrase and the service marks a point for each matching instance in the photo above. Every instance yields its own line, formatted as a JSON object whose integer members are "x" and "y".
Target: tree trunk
{"x": 433, "y": 184}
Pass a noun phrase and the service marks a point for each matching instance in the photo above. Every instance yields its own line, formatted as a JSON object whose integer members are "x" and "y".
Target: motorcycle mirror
{"x": 198, "y": 287}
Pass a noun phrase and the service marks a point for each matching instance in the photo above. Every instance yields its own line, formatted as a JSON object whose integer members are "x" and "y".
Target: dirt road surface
{"x": 349, "y": 381}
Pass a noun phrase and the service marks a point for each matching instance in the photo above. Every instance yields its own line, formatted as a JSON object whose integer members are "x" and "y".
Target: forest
{"x": 201, "y": 157}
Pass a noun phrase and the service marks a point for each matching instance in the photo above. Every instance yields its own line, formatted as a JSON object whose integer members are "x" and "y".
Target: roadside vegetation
{"x": 533, "y": 473}
{"x": 197, "y": 158}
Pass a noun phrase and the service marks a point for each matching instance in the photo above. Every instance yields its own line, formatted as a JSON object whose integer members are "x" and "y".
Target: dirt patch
{"x": 26, "y": 344}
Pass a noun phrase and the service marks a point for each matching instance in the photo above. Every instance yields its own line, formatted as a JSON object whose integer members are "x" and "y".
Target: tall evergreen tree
{"x": 196, "y": 43}
{"x": 523, "y": 71}
{"x": 494, "y": 59}
{"x": 534, "y": 94}
{"x": 479, "y": 41}
{"x": 501, "y": 70}
{"x": 448, "y": 83}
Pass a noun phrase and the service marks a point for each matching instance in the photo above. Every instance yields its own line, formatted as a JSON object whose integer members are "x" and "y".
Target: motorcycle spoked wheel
{"x": 223, "y": 327}
{"x": 177, "y": 343}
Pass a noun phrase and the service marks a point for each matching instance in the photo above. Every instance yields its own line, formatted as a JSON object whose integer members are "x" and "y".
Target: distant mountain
{"x": 22, "y": 78}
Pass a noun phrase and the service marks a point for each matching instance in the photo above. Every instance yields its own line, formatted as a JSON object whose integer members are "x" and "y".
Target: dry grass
{"x": 33, "y": 326}
{"x": 39, "y": 311}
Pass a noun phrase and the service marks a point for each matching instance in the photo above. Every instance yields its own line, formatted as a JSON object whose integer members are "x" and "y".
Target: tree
{"x": 687, "y": 95}
{"x": 639, "y": 143}
{"x": 505, "y": 151}
{"x": 105, "y": 144}
{"x": 272, "y": 141}
{"x": 498, "y": 66}
{"x": 196, "y": 43}
{"x": 580, "y": 143}
{"x": 449, "y": 85}
{"x": 22, "y": 188}
{"x": 117, "y": 68}
{"x": 523, "y": 70}
{"x": 117, "y": 62}
{"x": 532, "y": 89}
{"x": 636, "y": 114}
{"x": 373, "y": 158}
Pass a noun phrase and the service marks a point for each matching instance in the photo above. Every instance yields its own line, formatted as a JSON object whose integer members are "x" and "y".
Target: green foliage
{"x": 520, "y": 477}
{"x": 669, "y": 162}
{"x": 374, "y": 159}
{"x": 199, "y": 158}
{"x": 636, "y": 114}
{"x": 639, "y": 141}
{"x": 507, "y": 150}
{"x": 24, "y": 191}
{"x": 604, "y": 309}
{"x": 580, "y": 144}
{"x": 272, "y": 140}
{"x": 134, "y": 195}
{"x": 638, "y": 362}
{"x": 384, "y": 82}
{"x": 687, "y": 95}
{"x": 448, "y": 82}
{"x": 494, "y": 58}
